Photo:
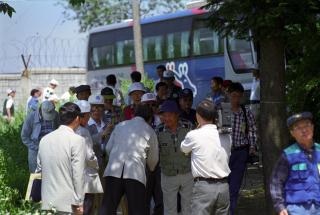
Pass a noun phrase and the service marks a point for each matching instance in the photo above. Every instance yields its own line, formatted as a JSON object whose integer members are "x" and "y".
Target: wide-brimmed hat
{"x": 136, "y": 86}
{"x": 148, "y": 97}
{"x": 48, "y": 110}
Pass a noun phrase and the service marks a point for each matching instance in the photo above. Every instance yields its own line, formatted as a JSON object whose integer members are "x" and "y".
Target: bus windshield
{"x": 240, "y": 54}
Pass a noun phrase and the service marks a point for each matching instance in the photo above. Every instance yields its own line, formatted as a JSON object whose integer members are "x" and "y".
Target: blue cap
{"x": 297, "y": 117}
{"x": 169, "y": 106}
{"x": 186, "y": 92}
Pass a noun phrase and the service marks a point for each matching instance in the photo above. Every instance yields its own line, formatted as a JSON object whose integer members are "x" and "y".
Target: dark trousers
{"x": 115, "y": 188}
{"x": 154, "y": 191}
{"x": 237, "y": 164}
{"x": 88, "y": 203}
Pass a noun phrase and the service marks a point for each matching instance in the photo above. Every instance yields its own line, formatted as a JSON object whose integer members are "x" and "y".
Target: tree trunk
{"x": 137, "y": 36}
{"x": 274, "y": 134}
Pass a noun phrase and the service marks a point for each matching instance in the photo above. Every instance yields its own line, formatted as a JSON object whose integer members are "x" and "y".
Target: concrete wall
{"x": 40, "y": 77}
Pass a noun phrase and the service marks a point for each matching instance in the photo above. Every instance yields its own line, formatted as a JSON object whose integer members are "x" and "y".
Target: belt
{"x": 211, "y": 180}
{"x": 238, "y": 148}
{"x": 254, "y": 102}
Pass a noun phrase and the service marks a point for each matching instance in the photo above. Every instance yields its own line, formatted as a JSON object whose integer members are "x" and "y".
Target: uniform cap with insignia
{"x": 186, "y": 92}
{"x": 96, "y": 100}
{"x": 297, "y": 117}
{"x": 169, "y": 106}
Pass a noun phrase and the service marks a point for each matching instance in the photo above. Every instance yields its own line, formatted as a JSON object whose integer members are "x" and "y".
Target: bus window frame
{"x": 238, "y": 71}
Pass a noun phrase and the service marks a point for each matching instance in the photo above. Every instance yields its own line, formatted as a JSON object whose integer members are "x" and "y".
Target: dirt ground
{"x": 251, "y": 201}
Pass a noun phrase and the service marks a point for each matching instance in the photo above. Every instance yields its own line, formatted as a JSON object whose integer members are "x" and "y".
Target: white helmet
{"x": 84, "y": 106}
{"x": 96, "y": 100}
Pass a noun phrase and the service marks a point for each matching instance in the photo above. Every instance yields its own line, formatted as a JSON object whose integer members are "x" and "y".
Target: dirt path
{"x": 251, "y": 201}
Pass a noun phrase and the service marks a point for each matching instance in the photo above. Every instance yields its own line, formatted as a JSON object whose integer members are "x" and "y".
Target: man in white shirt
{"x": 48, "y": 92}
{"x": 61, "y": 161}
{"x": 209, "y": 164}
{"x": 8, "y": 105}
{"x": 132, "y": 145}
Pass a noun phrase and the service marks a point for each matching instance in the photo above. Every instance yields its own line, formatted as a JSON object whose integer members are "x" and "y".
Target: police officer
{"x": 295, "y": 180}
{"x": 175, "y": 166}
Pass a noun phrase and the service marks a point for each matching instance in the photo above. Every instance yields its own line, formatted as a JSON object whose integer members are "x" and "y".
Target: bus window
{"x": 206, "y": 41}
{"x": 240, "y": 54}
{"x": 103, "y": 56}
{"x": 153, "y": 48}
{"x": 125, "y": 52}
{"x": 178, "y": 44}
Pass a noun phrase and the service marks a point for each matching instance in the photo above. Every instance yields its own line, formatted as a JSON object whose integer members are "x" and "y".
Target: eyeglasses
{"x": 306, "y": 126}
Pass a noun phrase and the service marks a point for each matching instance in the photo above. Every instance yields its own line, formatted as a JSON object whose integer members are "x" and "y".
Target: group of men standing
{"x": 96, "y": 155}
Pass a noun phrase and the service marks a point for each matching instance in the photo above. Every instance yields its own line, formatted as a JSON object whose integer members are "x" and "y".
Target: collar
{"x": 306, "y": 151}
{"x": 92, "y": 122}
{"x": 64, "y": 127}
{"x": 180, "y": 125}
{"x": 209, "y": 126}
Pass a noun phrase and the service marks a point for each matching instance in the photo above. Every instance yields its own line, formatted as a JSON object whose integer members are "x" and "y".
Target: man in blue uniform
{"x": 295, "y": 183}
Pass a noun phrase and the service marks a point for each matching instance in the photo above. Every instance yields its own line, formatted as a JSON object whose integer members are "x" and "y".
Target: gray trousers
{"x": 171, "y": 185}
{"x": 210, "y": 198}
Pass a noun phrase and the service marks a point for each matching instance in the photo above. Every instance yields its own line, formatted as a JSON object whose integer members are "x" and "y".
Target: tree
{"x": 6, "y": 9}
{"x": 276, "y": 26}
{"x": 93, "y": 13}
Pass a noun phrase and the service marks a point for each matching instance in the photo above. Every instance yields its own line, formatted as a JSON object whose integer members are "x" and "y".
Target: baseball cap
{"x": 84, "y": 106}
{"x": 96, "y": 100}
{"x": 297, "y": 117}
{"x": 48, "y": 110}
{"x": 83, "y": 88}
{"x": 54, "y": 82}
{"x": 10, "y": 91}
{"x": 169, "y": 106}
{"x": 107, "y": 93}
{"x": 168, "y": 74}
{"x": 148, "y": 97}
{"x": 136, "y": 86}
{"x": 186, "y": 92}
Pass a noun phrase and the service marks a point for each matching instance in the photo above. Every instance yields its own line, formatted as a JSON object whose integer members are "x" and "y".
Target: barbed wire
{"x": 45, "y": 52}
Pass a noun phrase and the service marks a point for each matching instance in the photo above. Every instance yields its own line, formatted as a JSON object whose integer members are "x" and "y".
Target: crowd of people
{"x": 152, "y": 153}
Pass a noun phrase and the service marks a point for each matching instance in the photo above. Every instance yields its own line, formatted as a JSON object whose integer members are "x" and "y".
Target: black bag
{"x": 35, "y": 194}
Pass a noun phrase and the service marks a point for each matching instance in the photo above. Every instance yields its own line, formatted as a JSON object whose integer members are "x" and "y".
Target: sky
{"x": 39, "y": 28}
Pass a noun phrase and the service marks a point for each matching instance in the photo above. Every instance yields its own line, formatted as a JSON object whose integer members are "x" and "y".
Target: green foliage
{"x": 14, "y": 174}
{"x": 93, "y": 13}
{"x": 6, "y": 9}
{"x": 266, "y": 18}
{"x": 148, "y": 83}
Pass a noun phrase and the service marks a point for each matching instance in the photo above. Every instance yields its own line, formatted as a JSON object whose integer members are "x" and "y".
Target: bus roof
{"x": 147, "y": 20}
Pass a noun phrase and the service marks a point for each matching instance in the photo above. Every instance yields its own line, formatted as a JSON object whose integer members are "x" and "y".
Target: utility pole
{"x": 137, "y": 35}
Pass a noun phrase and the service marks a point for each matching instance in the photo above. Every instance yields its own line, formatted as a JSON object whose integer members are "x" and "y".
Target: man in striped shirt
{"x": 243, "y": 141}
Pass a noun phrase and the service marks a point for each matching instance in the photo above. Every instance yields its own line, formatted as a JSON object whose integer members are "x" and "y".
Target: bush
{"x": 14, "y": 173}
